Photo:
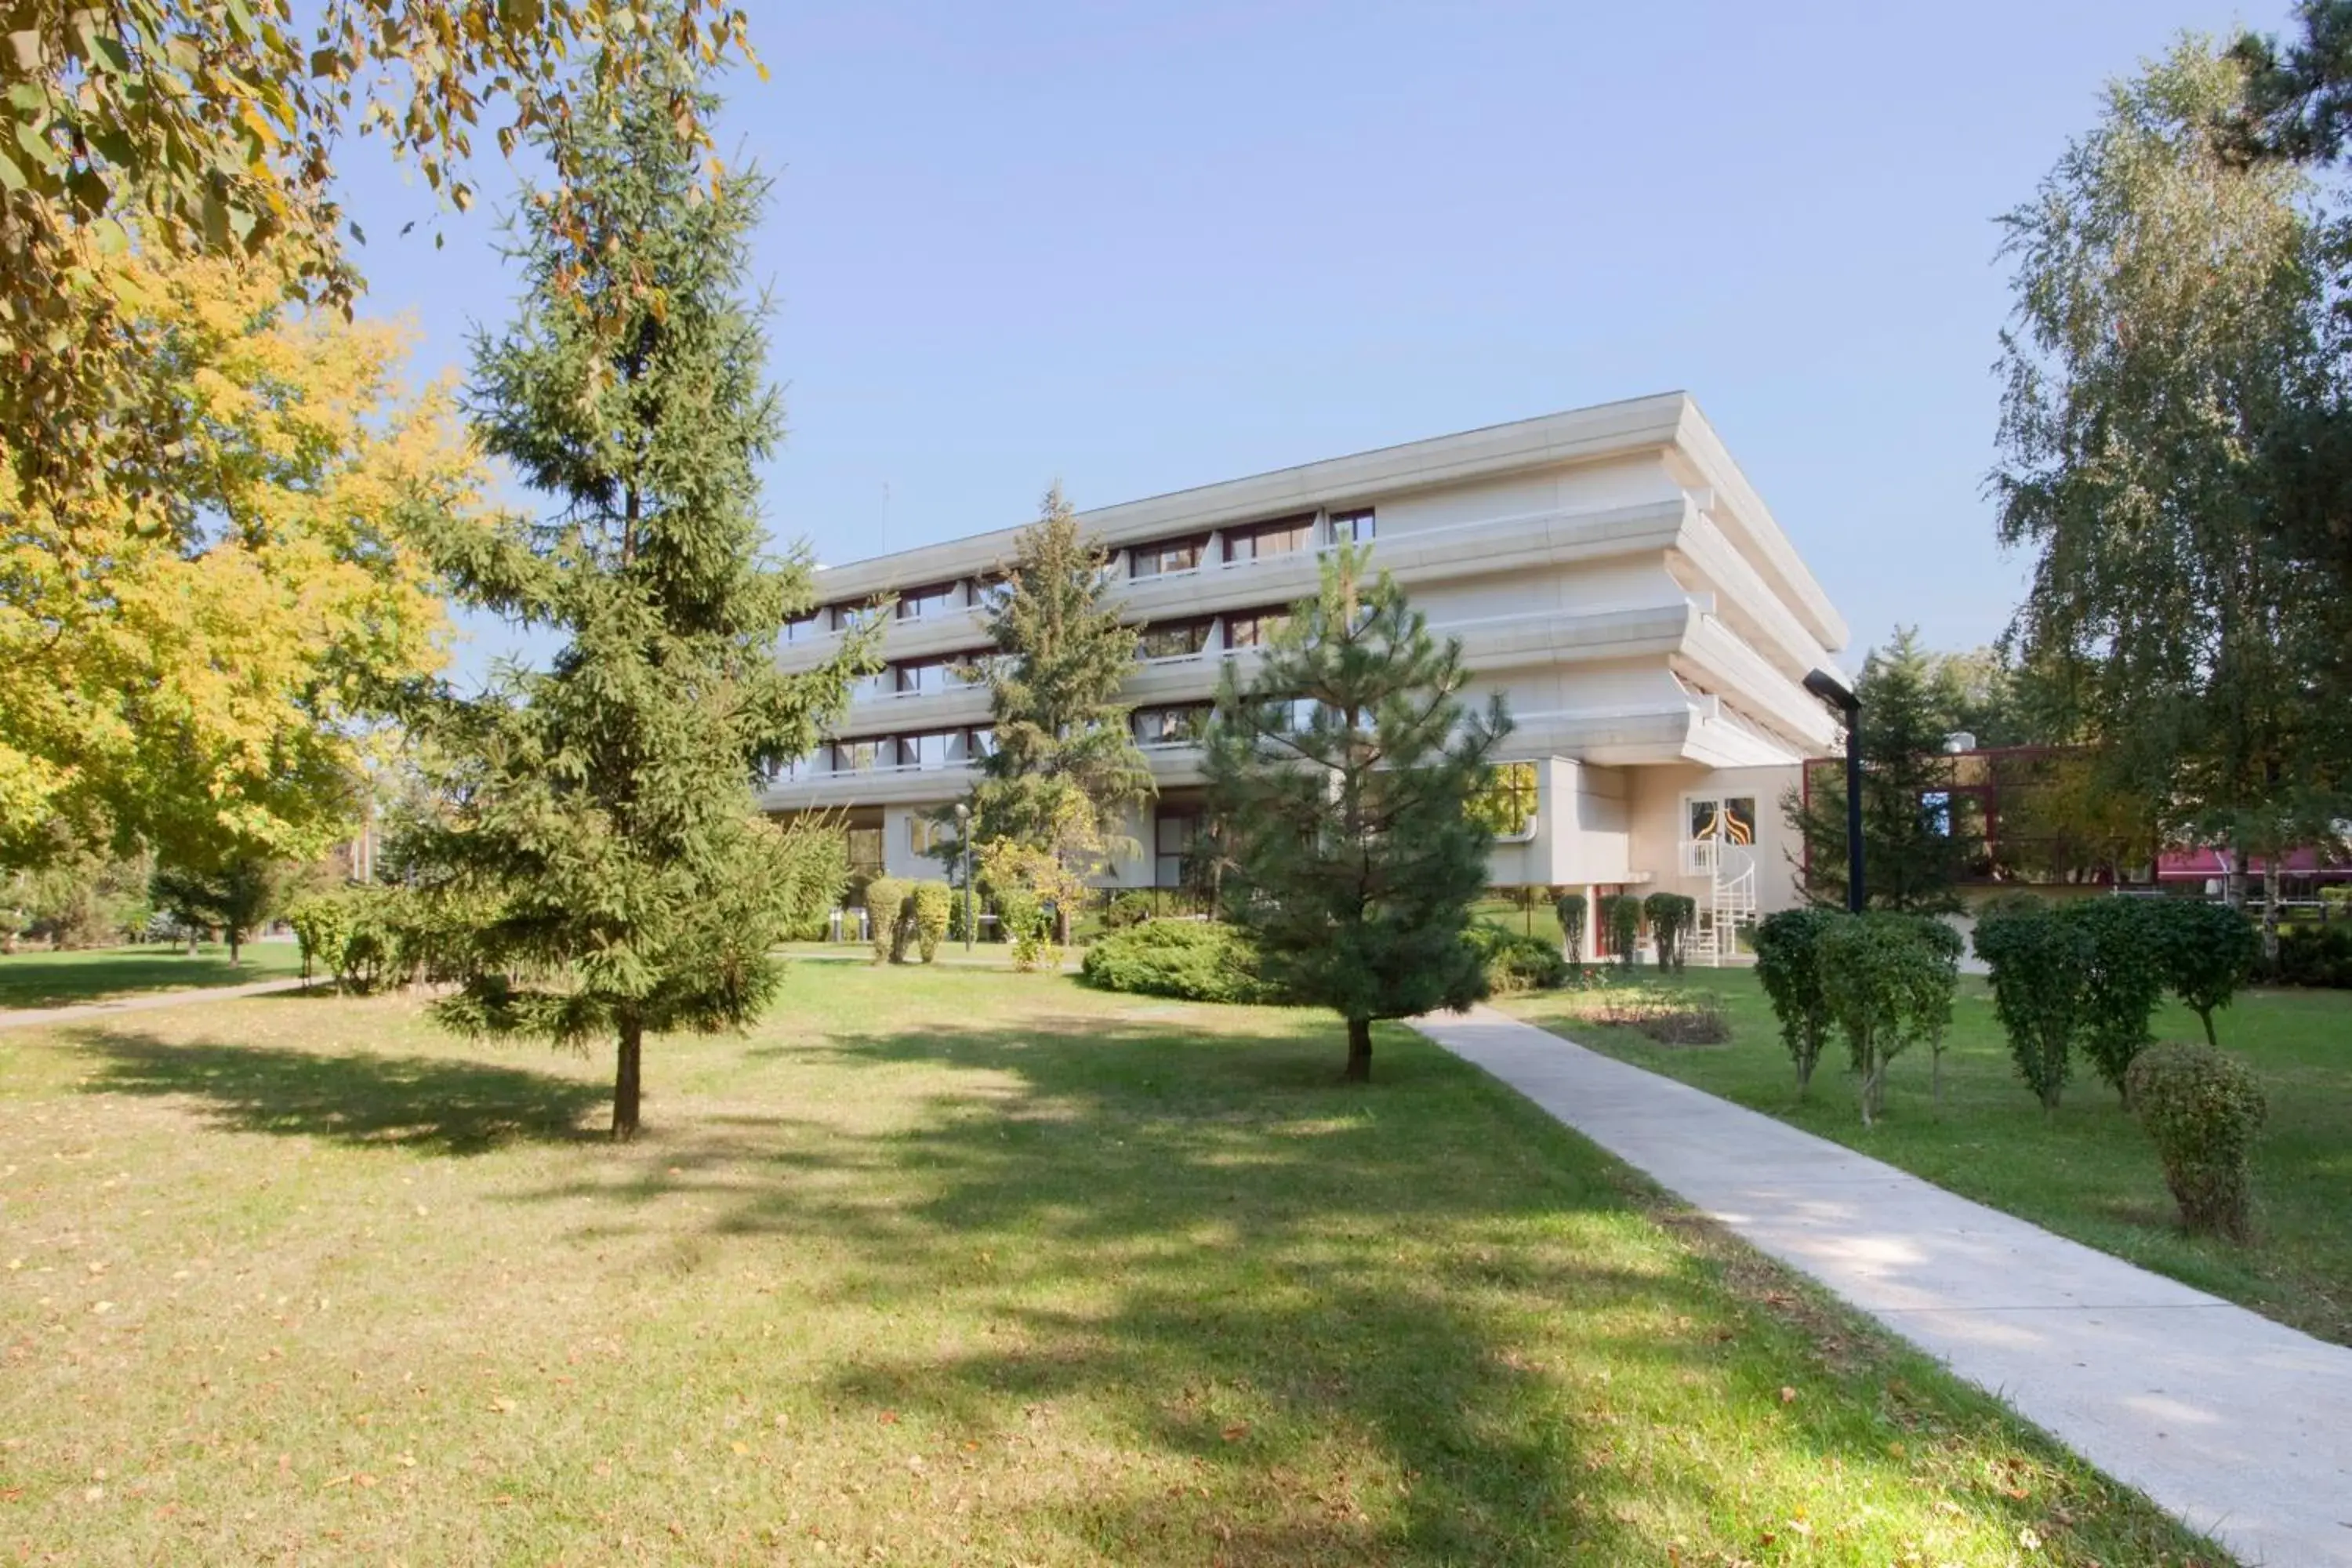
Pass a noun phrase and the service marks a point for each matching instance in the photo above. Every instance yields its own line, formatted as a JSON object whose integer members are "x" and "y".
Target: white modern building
{"x": 1608, "y": 570}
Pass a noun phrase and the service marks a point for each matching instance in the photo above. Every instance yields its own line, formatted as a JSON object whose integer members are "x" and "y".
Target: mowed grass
{"x": 2087, "y": 1170}
{"x": 935, "y": 1268}
{"x": 40, "y": 978}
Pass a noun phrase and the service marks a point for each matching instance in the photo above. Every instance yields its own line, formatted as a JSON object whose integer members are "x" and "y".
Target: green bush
{"x": 1516, "y": 961}
{"x": 1621, "y": 916}
{"x": 1570, "y": 907}
{"x": 1025, "y": 922}
{"x": 1789, "y": 965}
{"x": 1126, "y": 911}
{"x": 2122, "y": 986}
{"x": 932, "y": 902}
{"x": 1888, "y": 982}
{"x": 2314, "y": 956}
{"x": 2039, "y": 966}
{"x": 1672, "y": 917}
{"x": 2202, "y": 1108}
{"x": 1191, "y": 961}
{"x": 322, "y": 925}
{"x": 885, "y": 918}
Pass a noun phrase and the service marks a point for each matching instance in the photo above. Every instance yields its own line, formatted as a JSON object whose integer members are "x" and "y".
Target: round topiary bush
{"x": 2202, "y": 1108}
{"x": 1516, "y": 961}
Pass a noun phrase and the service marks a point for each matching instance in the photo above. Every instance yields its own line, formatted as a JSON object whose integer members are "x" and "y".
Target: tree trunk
{"x": 2205, "y": 1015}
{"x": 2271, "y": 906}
{"x": 626, "y": 1081}
{"x": 236, "y": 946}
{"x": 1360, "y": 1050}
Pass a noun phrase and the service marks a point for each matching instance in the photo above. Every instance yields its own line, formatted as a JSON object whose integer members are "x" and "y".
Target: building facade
{"x": 1608, "y": 569}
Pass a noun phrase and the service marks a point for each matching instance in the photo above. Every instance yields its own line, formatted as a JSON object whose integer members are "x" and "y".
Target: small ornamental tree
{"x": 323, "y": 924}
{"x": 1889, "y": 986}
{"x": 1671, "y": 915}
{"x": 886, "y": 919}
{"x": 600, "y": 809}
{"x": 1343, "y": 776}
{"x": 2202, "y": 1108}
{"x": 1789, "y": 964}
{"x": 2207, "y": 952}
{"x": 932, "y": 900}
{"x": 1570, "y": 907}
{"x": 2122, "y": 986}
{"x": 1621, "y": 917}
{"x": 2040, "y": 966}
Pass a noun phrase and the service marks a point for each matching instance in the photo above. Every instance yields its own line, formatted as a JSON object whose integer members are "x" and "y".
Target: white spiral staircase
{"x": 1729, "y": 902}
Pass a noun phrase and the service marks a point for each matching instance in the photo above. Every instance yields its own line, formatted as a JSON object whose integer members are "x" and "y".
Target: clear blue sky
{"x": 1145, "y": 246}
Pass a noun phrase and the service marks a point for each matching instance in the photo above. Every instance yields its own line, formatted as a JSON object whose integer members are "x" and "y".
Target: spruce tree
{"x": 603, "y": 806}
{"x": 1061, "y": 733}
{"x": 1341, "y": 782}
{"x": 1917, "y": 838}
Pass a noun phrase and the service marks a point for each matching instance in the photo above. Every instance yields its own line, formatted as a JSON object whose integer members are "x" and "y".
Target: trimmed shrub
{"x": 322, "y": 927}
{"x": 2122, "y": 986}
{"x": 1191, "y": 961}
{"x": 2039, "y": 965}
{"x": 2314, "y": 956}
{"x": 1570, "y": 907}
{"x": 1517, "y": 962}
{"x": 931, "y": 903}
{"x": 2207, "y": 952}
{"x": 1025, "y": 922}
{"x": 1621, "y": 917}
{"x": 2202, "y": 1108}
{"x": 1787, "y": 962}
{"x": 1672, "y": 917}
{"x": 886, "y": 910}
{"x": 1889, "y": 983}
{"x": 1126, "y": 911}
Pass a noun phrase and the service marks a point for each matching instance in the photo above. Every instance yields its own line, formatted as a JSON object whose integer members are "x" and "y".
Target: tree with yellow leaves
{"x": 190, "y": 638}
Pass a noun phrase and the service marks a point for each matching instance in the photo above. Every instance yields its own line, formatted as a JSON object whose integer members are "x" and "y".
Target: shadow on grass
{"x": 424, "y": 1103}
{"x": 1253, "y": 1274}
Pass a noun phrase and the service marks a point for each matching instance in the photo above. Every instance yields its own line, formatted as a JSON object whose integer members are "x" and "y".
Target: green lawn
{"x": 936, "y": 1267}
{"x": 39, "y": 978}
{"x": 2087, "y": 1171}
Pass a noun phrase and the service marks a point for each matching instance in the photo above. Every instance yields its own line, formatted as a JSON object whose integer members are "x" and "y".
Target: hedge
{"x": 1190, "y": 960}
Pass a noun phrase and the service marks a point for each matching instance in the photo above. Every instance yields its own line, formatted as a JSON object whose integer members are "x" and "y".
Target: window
{"x": 1166, "y": 556}
{"x": 1266, "y": 540}
{"x": 1178, "y": 726}
{"x": 1254, "y": 628}
{"x": 1359, "y": 527}
{"x": 983, "y": 743}
{"x": 932, "y": 675}
{"x": 800, "y": 768}
{"x": 862, "y": 756}
{"x": 803, "y": 628}
{"x": 1723, "y": 819}
{"x": 922, "y": 834}
{"x": 937, "y": 750}
{"x": 1175, "y": 639}
{"x": 864, "y": 851}
{"x": 1293, "y": 717}
{"x": 917, "y": 602}
{"x": 1173, "y": 834}
{"x": 1509, "y": 803}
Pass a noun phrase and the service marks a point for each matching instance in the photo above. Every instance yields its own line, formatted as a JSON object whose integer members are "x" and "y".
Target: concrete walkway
{"x": 28, "y": 1017}
{"x": 2238, "y": 1425}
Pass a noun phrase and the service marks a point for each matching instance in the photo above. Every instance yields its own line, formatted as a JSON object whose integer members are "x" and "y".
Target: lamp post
{"x": 1840, "y": 695}
{"x": 963, "y": 832}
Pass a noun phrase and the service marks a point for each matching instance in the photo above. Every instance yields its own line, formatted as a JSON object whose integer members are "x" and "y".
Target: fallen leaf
{"x": 1237, "y": 1432}
{"x": 1788, "y": 1394}
{"x": 503, "y": 1406}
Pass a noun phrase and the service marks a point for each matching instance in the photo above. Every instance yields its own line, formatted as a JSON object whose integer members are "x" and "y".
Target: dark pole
{"x": 1840, "y": 695}
{"x": 964, "y": 831}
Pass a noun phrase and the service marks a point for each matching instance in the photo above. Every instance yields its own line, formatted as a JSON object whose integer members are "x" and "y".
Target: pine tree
{"x": 1341, "y": 782}
{"x": 1917, "y": 837}
{"x": 605, "y": 804}
{"x": 1061, "y": 730}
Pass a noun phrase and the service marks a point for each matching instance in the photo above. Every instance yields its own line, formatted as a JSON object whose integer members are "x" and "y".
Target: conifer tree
{"x": 604, "y": 804}
{"x": 1060, "y": 732}
{"x": 1916, "y": 838}
{"x": 1341, "y": 782}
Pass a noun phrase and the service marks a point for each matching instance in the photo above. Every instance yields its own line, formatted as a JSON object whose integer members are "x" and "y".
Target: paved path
{"x": 2240, "y": 1427}
{"x": 24, "y": 1017}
